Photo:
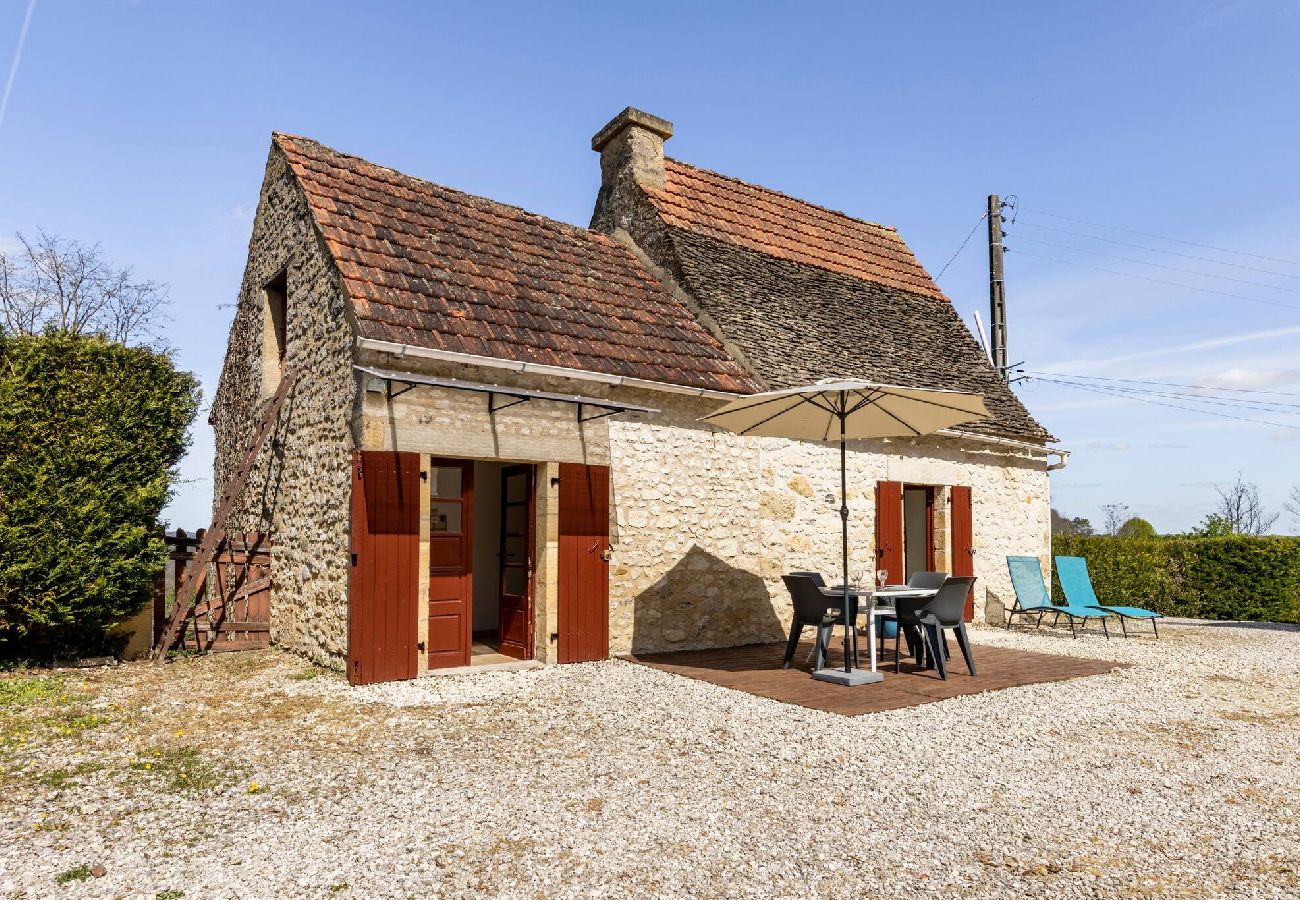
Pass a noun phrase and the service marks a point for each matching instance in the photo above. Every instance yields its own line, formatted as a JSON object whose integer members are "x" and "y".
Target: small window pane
{"x": 516, "y": 551}
{"x": 445, "y": 481}
{"x": 516, "y": 519}
{"x": 515, "y": 582}
{"x": 517, "y": 488}
{"x": 444, "y": 517}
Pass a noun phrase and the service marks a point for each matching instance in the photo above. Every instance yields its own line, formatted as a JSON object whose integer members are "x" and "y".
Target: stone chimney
{"x": 631, "y": 149}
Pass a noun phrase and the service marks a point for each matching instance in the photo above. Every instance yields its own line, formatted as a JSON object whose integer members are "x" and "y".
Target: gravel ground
{"x": 253, "y": 775}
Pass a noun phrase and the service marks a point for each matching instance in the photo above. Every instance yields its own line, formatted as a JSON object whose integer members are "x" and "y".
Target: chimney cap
{"x": 631, "y": 117}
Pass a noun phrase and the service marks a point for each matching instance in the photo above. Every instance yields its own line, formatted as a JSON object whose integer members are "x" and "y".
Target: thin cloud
{"x": 1213, "y": 344}
{"x": 1252, "y": 379}
{"x": 18, "y": 55}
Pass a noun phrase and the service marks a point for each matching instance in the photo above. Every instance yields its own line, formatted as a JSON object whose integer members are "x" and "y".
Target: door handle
{"x": 592, "y": 548}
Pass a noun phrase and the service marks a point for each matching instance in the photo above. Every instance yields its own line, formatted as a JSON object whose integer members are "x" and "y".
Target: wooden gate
{"x": 963, "y": 542}
{"x": 583, "y": 564}
{"x": 383, "y": 621}
{"x": 232, "y": 610}
{"x": 889, "y": 530}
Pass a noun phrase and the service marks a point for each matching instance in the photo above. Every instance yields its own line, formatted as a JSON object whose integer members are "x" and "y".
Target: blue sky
{"x": 145, "y": 126}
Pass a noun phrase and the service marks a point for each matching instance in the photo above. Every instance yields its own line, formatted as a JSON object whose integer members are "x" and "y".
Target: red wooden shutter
{"x": 889, "y": 530}
{"x": 584, "y": 571}
{"x": 963, "y": 541}
{"x": 382, "y": 616}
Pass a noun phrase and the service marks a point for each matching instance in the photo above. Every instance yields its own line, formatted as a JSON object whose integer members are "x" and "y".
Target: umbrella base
{"x": 848, "y": 679}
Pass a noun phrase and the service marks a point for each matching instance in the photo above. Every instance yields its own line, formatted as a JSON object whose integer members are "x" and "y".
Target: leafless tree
{"x": 1239, "y": 505}
{"x": 1292, "y": 505}
{"x": 53, "y": 283}
{"x": 1114, "y": 515}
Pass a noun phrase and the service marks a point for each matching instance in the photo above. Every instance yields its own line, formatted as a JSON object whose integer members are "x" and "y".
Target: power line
{"x": 1144, "y": 262}
{"x": 974, "y": 228}
{"x": 1187, "y": 287}
{"x": 1167, "y": 252}
{"x": 1269, "y": 406}
{"x": 1199, "y": 387}
{"x": 1161, "y": 237}
{"x": 1099, "y": 389}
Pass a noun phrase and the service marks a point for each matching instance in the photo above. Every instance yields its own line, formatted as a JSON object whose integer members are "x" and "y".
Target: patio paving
{"x": 756, "y": 669}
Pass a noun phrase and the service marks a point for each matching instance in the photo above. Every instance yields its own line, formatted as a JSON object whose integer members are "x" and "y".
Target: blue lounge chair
{"x": 1073, "y": 572}
{"x": 1032, "y": 597}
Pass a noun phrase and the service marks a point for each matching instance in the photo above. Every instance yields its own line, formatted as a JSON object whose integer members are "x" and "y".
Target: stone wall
{"x": 707, "y": 523}
{"x": 704, "y": 523}
{"x": 301, "y": 487}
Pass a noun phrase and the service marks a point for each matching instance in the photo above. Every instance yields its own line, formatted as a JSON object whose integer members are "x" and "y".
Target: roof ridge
{"x": 569, "y": 226}
{"x": 767, "y": 190}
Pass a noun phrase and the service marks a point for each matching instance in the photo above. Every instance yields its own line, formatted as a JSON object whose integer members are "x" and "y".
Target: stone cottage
{"x": 493, "y": 447}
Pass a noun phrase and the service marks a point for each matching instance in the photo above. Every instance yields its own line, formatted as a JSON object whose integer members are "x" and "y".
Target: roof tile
{"x": 429, "y": 266}
{"x": 773, "y": 223}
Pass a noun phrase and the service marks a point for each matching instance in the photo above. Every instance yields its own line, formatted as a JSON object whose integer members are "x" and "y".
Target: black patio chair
{"x": 933, "y": 617}
{"x": 925, "y": 581}
{"x": 815, "y": 576}
{"x": 810, "y": 608}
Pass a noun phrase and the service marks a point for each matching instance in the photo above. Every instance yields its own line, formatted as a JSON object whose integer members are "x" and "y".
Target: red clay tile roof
{"x": 770, "y": 222}
{"x": 429, "y": 266}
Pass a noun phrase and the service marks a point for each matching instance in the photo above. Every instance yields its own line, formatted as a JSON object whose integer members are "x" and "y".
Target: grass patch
{"x": 59, "y": 778}
{"x": 308, "y": 674}
{"x": 182, "y": 769}
{"x": 21, "y": 692}
{"x": 169, "y": 894}
{"x": 76, "y": 873}
{"x": 75, "y": 723}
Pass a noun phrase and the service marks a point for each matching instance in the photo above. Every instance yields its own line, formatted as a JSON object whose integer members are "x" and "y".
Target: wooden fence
{"x": 233, "y": 608}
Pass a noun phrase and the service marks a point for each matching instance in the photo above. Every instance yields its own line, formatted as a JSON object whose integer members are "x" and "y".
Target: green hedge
{"x": 1238, "y": 577}
{"x": 90, "y": 436}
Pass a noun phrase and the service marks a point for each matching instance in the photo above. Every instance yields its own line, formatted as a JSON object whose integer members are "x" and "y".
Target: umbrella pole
{"x": 844, "y": 532}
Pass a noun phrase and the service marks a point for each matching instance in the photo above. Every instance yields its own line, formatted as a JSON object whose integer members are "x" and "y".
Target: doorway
{"x": 918, "y": 530}
{"x": 502, "y": 542}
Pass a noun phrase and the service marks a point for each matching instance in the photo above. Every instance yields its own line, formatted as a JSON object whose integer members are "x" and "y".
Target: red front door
{"x": 515, "y": 636}
{"x": 384, "y": 582}
{"x": 584, "y": 565}
{"x": 451, "y": 493}
{"x": 963, "y": 541}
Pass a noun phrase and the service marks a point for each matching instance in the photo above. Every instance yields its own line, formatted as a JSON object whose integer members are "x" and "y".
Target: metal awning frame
{"x": 412, "y": 380}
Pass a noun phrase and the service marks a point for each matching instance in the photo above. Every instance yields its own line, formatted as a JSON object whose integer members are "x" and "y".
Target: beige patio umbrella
{"x": 847, "y": 410}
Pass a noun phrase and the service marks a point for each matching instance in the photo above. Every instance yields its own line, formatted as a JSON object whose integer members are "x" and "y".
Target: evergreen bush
{"x": 91, "y": 433}
{"x": 1232, "y": 577}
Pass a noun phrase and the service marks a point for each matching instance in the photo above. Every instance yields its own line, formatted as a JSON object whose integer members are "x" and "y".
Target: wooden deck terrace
{"x": 756, "y": 669}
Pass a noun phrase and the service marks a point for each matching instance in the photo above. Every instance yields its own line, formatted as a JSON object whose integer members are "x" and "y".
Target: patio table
{"x": 835, "y": 594}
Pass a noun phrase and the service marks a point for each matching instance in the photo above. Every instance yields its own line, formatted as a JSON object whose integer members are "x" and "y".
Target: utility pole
{"x": 997, "y": 289}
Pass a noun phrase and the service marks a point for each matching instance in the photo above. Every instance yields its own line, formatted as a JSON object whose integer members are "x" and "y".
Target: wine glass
{"x": 882, "y": 575}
